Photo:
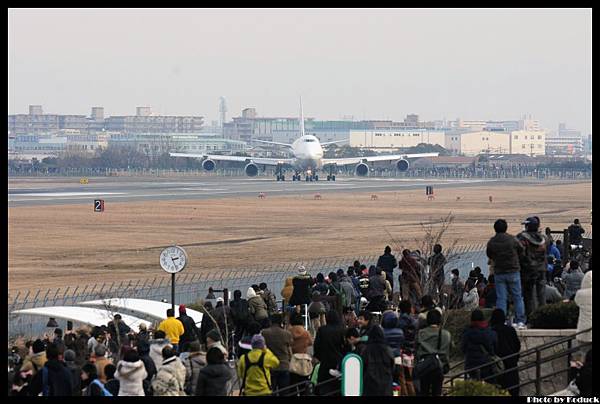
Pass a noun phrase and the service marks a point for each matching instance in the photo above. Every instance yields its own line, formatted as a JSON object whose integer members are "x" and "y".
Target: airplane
{"x": 307, "y": 153}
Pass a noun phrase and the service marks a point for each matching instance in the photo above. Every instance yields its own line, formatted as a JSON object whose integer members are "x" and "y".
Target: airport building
{"x": 391, "y": 139}
{"x": 155, "y": 144}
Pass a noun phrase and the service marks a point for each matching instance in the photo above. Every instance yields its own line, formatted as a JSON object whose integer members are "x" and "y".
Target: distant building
{"x": 564, "y": 146}
{"x": 97, "y": 114}
{"x": 35, "y": 110}
{"x": 155, "y": 144}
{"x": 391, "y": 139}
{"x": 496, "y": 142}
{"x": 143, "y": 111}
{"x": 38, "y": 123}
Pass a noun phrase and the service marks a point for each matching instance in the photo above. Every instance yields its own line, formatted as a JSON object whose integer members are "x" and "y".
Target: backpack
{"x": 247, "y": 365}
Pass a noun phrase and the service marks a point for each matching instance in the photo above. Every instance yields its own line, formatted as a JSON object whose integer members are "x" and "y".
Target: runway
{"x": 128, "y": 189}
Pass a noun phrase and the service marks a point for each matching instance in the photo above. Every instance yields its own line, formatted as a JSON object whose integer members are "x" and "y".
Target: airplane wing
{"x": 275, "y": 143}
{"x": 241, "y": 159}
{"x": 335, "y": 141}
{"x": 389, "y": 157}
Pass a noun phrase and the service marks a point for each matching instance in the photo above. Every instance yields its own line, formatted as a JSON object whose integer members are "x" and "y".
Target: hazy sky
{"x": 374, "y": 64}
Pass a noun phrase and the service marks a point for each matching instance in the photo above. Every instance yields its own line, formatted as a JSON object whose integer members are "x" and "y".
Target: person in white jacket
{"x": 583, "y": 299}
{"x": 471, "y": 296}
{"x": 131, "y": 373}
{"x": 170, "y": 379}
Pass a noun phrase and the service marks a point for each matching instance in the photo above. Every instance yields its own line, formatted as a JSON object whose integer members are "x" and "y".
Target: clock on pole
{"x": 173, "y": 260}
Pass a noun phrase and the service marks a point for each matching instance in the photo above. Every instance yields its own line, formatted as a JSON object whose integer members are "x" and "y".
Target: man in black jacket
{"x": 575, "y": 232}
{"x": 240, "y": 314}
{"x": 302, "y": 284}
{"x": 387, "y": 262}
{"x": 190, "y": 331}
{"x": 54, "y": 379}
{"x": 504, "y": 250}
{"x": 436, "y": 264}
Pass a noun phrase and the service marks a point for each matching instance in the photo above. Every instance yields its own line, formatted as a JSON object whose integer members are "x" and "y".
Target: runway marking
{"x": 65, "y": 194}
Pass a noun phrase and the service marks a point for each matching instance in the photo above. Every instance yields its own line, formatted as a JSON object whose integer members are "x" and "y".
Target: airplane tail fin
{"x": 301, "y": 118}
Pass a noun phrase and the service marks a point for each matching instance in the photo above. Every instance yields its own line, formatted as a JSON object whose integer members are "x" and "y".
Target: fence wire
{"x": 192, "y": 287}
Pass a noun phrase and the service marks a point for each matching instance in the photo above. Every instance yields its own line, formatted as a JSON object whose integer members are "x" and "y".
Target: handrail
{"x": 530, "y": 350}
{"x": 307, "y": 386}
{"x": 538, "y": 361}
{"x": 523, "y": 353}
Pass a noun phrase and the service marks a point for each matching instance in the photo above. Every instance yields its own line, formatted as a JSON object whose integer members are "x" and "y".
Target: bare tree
{"x": 433, "y": 233}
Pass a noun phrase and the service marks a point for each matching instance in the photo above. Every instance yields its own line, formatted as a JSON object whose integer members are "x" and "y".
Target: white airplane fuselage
{"x": 308, "y": 153}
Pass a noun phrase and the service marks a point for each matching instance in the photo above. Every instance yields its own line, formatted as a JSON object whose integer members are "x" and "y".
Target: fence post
{"x": 538, "y": 372}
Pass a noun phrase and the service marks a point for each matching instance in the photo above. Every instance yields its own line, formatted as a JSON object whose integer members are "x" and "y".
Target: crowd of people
{"x": 254, "y": 346}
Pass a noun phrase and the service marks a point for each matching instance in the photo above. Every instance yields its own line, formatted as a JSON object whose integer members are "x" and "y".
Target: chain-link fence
{"x": 191, "y": 287}
{"x": 378, "y": 172}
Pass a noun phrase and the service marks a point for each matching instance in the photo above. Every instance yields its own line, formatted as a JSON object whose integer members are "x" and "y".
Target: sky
{"x": 366, "y": 63}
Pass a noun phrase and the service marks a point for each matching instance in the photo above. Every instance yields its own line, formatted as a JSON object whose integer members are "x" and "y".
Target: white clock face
{"x": 173, "y": 259}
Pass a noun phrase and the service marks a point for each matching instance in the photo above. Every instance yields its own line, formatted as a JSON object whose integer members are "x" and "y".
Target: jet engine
{"x": 208, "y": 165}
{"x": 402, "y": 165}
{"x": 251, "y": 170}
{"x": 361, "y": 169}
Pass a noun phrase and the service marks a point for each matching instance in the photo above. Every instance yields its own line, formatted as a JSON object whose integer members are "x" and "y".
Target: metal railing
{"x": 527, "y": 364}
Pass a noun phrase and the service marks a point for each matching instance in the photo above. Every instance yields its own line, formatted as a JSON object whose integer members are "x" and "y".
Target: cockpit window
{"x": 309, "y": 140}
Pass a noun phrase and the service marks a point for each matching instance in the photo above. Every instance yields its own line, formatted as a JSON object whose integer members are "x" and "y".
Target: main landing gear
{"x": 331, "y": 176}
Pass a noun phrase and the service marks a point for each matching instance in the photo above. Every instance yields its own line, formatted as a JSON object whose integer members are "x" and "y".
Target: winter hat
{"x": 100, "y": 350}
{"x": 389, "y": 320}
{"x": 38, "y": 346}
{"x": 301, "y": 270}
{"x": 258, "y": 342}
{"x": 219, "y": 299}
{"x": 194, "y": 346}
{"x": 214, "y": 335}
{"x": 182, "y": 309}
{"x": 250, "y": 293}
{"x": 69, "y": 355}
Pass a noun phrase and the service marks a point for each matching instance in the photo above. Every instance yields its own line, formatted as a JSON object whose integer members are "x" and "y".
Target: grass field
{"x": 62, "y": 245}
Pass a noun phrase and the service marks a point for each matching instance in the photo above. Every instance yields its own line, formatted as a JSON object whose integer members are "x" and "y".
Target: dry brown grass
{"x": 62, "y": 245}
